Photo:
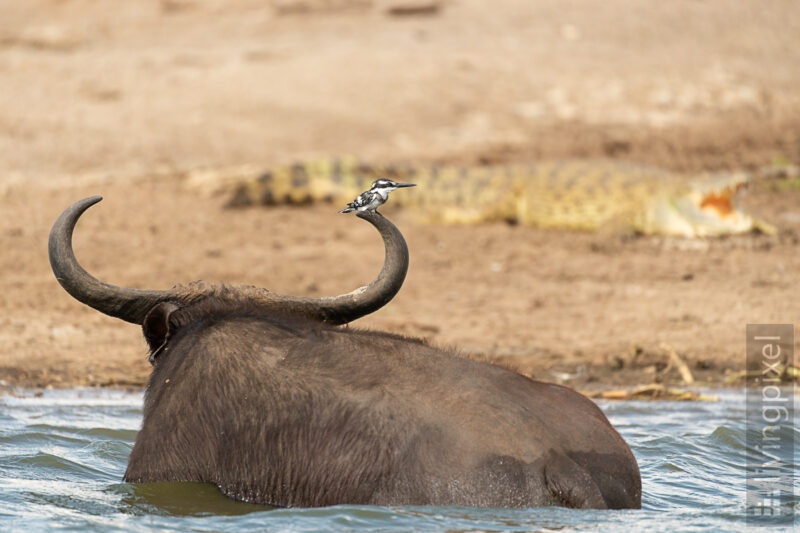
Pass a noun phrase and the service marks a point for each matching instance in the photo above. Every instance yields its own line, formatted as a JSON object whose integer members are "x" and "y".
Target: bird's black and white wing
{"x": 363, "y": 200}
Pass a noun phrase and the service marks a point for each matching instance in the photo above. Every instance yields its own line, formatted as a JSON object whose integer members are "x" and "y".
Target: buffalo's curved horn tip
{"x": 130, "y": 305}
{"x": 365, "y": 300}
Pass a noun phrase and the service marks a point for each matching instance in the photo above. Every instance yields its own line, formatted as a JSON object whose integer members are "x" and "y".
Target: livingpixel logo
{"x": 770, "y": 425}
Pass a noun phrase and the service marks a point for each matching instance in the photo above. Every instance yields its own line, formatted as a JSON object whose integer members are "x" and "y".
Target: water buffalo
{"x": 262, "y": 395}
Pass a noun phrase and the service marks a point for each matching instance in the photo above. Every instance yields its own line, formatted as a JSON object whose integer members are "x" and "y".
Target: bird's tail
{"x": 348, "y": 210}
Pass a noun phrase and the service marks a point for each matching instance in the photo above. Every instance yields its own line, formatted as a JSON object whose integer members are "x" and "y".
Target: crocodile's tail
{"x": 447, "y": 194}
{"x": 328, "y": 180}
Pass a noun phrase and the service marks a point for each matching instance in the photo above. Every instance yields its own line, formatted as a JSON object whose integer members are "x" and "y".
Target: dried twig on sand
{"x": 655, "y": 391}
{"x": 680, "y": 364}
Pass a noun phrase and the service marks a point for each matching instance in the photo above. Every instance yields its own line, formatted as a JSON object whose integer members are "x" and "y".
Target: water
{"x": 63, "y": 453}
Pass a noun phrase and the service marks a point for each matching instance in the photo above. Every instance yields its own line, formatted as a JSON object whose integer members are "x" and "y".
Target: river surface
{"x": 63, "y": 454}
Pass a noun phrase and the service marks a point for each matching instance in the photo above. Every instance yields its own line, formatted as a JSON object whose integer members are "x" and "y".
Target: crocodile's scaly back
{"x": 582, "y": 194}
{"x": 590, "y": 194}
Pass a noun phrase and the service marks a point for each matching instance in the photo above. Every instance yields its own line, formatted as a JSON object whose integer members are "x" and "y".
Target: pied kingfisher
{"x": 375, "y": 197}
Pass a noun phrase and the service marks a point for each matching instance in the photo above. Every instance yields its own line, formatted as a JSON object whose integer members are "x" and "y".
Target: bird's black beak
{"x": 400, "y": 185}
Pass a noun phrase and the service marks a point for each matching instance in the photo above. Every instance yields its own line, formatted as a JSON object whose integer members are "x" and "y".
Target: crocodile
{"x": 580, "y": 194}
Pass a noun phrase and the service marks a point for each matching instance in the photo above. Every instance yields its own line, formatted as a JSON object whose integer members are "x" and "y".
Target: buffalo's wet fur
{"x": 286, "y": 411}
{"x": 261, "y": 395}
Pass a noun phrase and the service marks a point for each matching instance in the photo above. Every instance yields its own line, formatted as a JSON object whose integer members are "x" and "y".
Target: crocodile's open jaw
{"x": 710, "y": 207}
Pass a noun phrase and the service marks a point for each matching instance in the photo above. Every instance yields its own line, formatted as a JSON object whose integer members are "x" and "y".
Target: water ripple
{"x": 63, "y": 454}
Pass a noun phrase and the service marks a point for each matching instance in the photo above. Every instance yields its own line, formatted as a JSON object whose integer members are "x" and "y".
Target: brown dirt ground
{"x": 123, "y": 99}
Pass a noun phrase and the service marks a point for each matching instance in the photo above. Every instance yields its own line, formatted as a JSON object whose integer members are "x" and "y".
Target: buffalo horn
{"x": 132, "y": 305}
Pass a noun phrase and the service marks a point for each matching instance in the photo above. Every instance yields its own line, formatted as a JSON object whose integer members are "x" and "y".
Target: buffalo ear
{"x": 156, "y": 327}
